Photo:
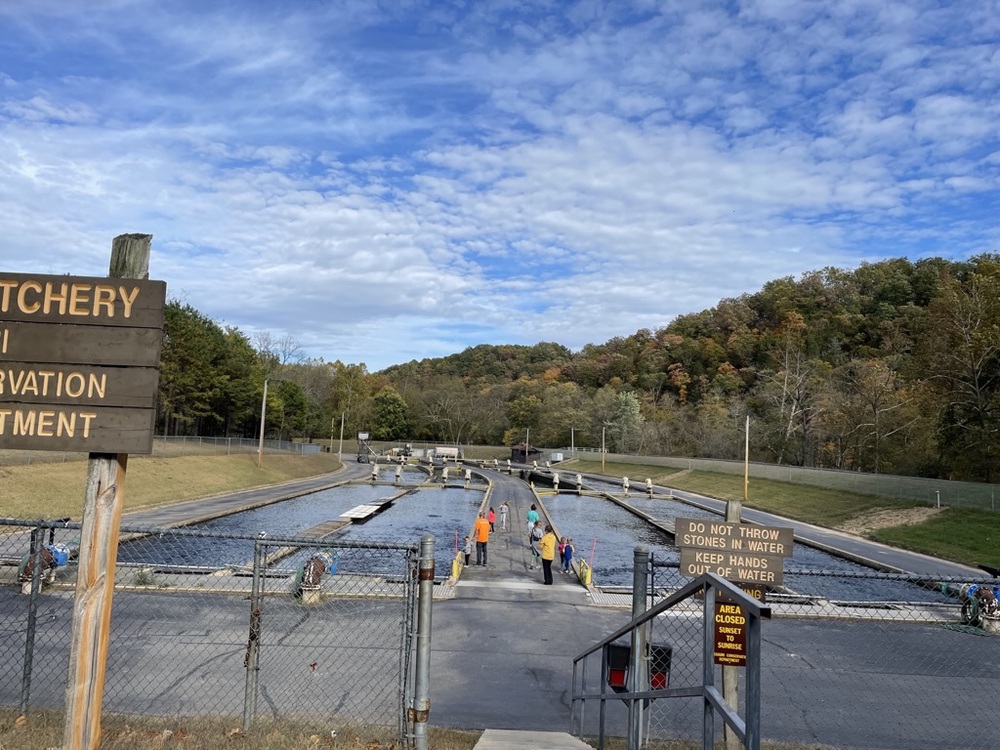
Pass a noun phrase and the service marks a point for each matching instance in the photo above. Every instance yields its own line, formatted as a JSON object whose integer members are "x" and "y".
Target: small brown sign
{"x": 94, "y": 429}
{"x": 733, "y": 566}
{"x": 733, "y": 537}
{"x": 33, "y": 383}
{"x": 79, "y": 362}
{"x": 730, "y": 634}
{"x": 82, "y": 300}
{"x": 51, "y": 343}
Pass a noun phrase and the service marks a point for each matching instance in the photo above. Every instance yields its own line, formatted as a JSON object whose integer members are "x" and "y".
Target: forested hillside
{"x": 891, "y": 367}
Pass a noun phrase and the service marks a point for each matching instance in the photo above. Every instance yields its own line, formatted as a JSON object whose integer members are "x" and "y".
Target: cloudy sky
{"x": 393, "y": 180}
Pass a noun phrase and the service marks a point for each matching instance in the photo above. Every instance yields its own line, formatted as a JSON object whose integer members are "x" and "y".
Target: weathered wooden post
{"x": 103, "y": 501}
{"x": 730, "y": 674}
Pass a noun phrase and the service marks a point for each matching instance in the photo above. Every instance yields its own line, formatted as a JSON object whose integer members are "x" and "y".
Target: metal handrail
{"x": 748, "y": 729}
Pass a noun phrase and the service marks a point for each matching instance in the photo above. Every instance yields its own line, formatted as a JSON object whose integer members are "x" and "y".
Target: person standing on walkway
{"x": 467, "y": 551}
{"x": 532, "y": 520}
{"x": 533, "y": 540}
{"x": 547, "y": 548}
{"x": 492, "y": 518}
{"x": 503, "y": 515}
{"x": 482, "y": 532}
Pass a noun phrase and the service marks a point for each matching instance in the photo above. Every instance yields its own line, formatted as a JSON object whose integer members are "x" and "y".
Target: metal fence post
{"x": 252, "y": 659}
{"x": 637, "y": 665}
{"x": 421, "y": 682}
{"x": 708, "y": 668}
{"x": 37, "y": 535}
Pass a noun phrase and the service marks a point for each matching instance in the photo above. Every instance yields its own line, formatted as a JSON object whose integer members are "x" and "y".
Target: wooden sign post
{"x": 105, "y": 495}
{"x": 742, "y": 553}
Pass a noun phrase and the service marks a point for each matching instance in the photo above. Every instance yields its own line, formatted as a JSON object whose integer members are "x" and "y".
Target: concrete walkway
{"x": 505, "y": 739}
{"x": 509, "y": 557}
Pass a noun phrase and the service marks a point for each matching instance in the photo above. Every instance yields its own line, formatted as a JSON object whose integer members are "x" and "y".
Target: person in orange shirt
{"x": 482, "y": 532}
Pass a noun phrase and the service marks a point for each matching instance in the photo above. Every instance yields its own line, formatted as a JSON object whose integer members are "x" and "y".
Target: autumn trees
{"x": 890, "y": 367}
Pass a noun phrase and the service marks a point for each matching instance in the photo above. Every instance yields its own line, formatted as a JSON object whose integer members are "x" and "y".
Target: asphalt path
{"x": 204, "y": 509}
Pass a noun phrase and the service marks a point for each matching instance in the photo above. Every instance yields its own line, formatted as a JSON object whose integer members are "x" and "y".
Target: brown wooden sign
{"x": 132, "y": 303}
{"x": 79, "y": 362}
{"x": 34, "y": 383}
{"x": 733, "y": 537}
{"x": 100, "y": 429}
{"x": 54, "y": 343}
{"x": 733, "y": 566}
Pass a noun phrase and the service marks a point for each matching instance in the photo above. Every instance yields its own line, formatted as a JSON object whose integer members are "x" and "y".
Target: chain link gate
{"x": 206, "y": 624}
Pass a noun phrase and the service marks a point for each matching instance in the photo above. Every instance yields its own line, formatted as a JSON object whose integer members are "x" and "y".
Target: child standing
{"x": 561, "y": 548}
{"x": 467, "y": 550}
{"x": 568, "y": 556}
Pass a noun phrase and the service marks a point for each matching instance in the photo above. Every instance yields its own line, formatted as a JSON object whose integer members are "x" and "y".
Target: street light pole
{"x": 260, "y": 444}
{"x": 603, "y": 450}
{"x": 527, "y": 432}
{"x": 340, "y": 451}
{"x": 572, "y": 442}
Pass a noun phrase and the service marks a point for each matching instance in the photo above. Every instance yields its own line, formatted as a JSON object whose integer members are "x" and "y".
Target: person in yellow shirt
{"x": 482, "y": 532}
{"x": 547, "y": 546}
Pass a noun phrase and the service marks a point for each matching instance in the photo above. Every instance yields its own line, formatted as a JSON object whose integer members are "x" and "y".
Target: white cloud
{"x": 386, "y": 185}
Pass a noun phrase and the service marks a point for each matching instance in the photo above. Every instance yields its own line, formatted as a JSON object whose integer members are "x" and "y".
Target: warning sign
{"x": 730, "y": 634}
{"x": 735, "y": 551}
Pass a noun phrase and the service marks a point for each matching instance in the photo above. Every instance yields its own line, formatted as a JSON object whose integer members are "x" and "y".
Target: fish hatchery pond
{"x": 604, "y": 534}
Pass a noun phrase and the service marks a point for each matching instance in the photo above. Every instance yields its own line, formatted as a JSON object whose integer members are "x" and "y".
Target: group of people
{"x": 481, "y": 530}
{"x": 543, "y": 543}
{"x": 544, "y": 546}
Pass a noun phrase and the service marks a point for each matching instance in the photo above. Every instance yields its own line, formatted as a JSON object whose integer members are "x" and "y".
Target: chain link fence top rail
{"x": 171, "y": 445}
{"x": 920, "y": 489}
{"x": 313, "y": 630}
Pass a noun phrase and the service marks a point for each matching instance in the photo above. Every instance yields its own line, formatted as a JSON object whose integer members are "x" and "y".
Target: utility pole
{"x": 340, "y": 452}
{"x": 260, "y": 444}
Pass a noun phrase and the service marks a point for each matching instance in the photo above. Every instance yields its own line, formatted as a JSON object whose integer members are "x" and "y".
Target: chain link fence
{"x": 907, "y": 662}
{"x": 920, "y": 489}
{"x": 175, "y": 445}
{"x": 207, "y": 624}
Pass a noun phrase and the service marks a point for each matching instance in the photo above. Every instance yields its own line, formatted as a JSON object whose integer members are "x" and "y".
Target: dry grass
{"x": 43, "y": 731}
{"x": 56, "y": 490}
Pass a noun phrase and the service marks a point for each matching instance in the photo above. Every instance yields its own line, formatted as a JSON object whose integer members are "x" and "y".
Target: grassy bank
{"x": 44, "y": 729}
{"x": 56, "y": 490}
{"x": 967, "y": 536}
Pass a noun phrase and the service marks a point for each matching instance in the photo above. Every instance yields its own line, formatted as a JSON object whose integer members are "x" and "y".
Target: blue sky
{"x": 395, "y": 180}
